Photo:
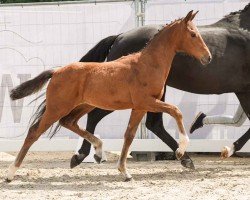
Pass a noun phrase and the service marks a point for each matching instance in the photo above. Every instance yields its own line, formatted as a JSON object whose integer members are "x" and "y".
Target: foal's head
{"x": 191, "y": 41}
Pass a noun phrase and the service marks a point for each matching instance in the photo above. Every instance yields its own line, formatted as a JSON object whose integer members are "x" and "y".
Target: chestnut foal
{"x": 132, "y": 82}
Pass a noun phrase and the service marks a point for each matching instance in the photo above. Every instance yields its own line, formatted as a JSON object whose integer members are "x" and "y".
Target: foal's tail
{"x": 32, "y": 86}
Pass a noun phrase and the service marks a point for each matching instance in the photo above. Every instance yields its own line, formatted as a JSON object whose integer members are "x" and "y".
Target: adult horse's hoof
{"x": 98, "y": 159}
{"x": 188, "y": 163}
{"x": 198, "y": 122}
{"x": 77, "y": 160}
{"x": 235, "y": 155}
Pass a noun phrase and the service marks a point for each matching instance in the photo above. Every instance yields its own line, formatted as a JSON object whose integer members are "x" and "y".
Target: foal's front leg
{"x": 155, "y": 105}
{"x": 134, "y": 121}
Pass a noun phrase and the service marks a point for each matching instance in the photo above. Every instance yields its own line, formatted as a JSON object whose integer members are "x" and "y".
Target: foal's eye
{"x": 193, "y": 35}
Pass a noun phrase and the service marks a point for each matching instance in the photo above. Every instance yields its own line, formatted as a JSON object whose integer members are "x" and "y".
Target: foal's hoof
{"x": 188, "y": 163}
{"x": 77, "y": 160}
{"x": 128, "y": 179}
{"x": 8, "y": 180}
{"x": 98, "y": 159}
{"x": 179, "y": 154}
{"x": 225, "y": 152}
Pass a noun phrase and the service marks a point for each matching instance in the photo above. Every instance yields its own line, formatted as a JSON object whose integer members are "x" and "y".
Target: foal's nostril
{"x": 206, "y": 59}
{"x": 209, "y": 58}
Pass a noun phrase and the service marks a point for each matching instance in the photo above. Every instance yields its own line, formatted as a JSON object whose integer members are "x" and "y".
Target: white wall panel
{"x": 34, "y": 38}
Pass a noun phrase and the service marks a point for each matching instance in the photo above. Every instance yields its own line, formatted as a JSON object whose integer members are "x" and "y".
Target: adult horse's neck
{"x": 159, "y": 53}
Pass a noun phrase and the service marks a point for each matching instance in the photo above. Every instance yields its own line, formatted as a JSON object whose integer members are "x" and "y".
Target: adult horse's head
{"x": 192, "y": 42}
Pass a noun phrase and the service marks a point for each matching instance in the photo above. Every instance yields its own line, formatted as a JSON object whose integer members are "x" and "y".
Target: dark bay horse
{"x": 229, "y": 42}
{"x": 136, "y": 82}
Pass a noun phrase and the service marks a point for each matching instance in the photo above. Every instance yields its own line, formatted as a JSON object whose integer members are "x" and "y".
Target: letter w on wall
{"x": 16, "y": 106}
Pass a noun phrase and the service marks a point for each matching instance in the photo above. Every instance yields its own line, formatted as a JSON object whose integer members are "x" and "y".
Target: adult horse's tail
{"x": 32, "y": 86}
{"x": 100, "y": 51}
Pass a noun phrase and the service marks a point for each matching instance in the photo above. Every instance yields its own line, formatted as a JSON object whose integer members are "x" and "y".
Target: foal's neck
{"x": 159, "y": 53}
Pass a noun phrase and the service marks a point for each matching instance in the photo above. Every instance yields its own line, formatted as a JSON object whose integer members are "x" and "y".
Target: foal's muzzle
{"x": 205, "y": 60}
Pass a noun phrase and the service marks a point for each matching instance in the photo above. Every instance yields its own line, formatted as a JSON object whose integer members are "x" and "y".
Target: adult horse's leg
{"x": 134, "y": 121}
{"x": 93, "y": 119}
{"x": 154, "y": 123}
{"x": 241, "y": 141}
{"x": 226, "y": 152}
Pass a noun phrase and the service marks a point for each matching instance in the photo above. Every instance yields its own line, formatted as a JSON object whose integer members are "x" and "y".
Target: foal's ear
{"x": 193, "y": 15}
{"x": 189, "y": 16}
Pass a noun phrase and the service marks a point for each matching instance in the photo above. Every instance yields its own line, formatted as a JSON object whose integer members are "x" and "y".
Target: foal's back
{"x": 107, "y": 85}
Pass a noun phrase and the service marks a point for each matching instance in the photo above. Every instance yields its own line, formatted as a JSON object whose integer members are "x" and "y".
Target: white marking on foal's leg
{"x": 226, "y": 151}
{"x": 98, "y": 153}
{"x": 11, "y": 171}
{"x": 124, "y": 171}
{"x": 183, "y": 143}
{"x": 104, "y": 157}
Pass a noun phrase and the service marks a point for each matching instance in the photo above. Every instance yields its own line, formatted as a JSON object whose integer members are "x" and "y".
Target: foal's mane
{"x": 160, "y": 31}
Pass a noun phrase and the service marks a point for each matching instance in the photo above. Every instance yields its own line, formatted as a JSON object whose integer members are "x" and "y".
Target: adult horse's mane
{"x": 239, "y": 11}
{"x": 240, "y": 17}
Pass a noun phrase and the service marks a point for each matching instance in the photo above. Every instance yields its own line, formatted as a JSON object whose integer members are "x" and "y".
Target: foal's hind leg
{"x": 93, "y": 118}
{"x": 134, "y": 121}
{"x": 70, "y": 122}
{"x": 34, "y": 133}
